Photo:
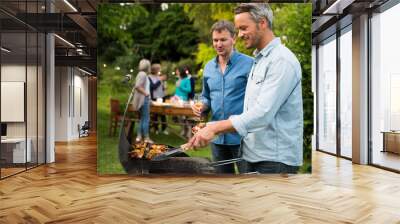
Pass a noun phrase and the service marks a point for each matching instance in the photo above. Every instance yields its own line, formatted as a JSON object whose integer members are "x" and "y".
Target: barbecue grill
{"x": 180, "y": 163}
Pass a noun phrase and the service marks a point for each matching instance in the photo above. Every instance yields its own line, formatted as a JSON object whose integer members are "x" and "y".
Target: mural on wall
{"x": 177, "y": 43}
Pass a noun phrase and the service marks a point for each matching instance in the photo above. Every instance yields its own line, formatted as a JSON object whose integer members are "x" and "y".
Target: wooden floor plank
{"x": 69, "y": 191}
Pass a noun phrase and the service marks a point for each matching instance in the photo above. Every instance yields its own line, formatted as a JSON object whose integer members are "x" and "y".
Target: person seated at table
{"x": 157, "y": 92}
{"x": 183, "y": 87}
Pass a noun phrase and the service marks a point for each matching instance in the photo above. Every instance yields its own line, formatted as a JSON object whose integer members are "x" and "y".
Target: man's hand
{"x": 199, "y": 126}
{"x": 203, "y": 137}
{"x": 197, "y": 110}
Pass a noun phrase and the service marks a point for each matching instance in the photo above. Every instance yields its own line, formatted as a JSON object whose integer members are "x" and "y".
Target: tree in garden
{"x": 114, "y": 38}
{"x": 130, "y": 32}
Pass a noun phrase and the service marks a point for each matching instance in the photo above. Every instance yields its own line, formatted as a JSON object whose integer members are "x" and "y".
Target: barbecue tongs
{"x": 176, "y": 152}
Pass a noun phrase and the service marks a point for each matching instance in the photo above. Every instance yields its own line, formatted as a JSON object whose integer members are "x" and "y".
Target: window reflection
{"x": 346, "y": 94}
{"x": 327, "y": 96}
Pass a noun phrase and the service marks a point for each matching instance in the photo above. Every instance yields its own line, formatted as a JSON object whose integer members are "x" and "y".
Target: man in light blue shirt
{"x": 224, "y": 84}
{"x": 272, "y": 120}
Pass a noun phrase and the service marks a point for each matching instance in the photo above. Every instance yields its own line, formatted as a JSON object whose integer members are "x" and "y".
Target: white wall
{"x": 61, "y": 103}
{"x": 13, "y": 72}
{"x": 71, "y": 94}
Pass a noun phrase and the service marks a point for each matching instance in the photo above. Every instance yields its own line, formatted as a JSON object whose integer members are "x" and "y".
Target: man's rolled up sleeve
{"x": 239, "y": 124}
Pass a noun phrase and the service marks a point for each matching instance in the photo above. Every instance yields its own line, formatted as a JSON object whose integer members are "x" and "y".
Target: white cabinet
{"x": 18, "y": 149}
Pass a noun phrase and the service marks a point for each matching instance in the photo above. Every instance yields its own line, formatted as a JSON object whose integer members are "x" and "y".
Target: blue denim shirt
{"x": 224, "y": 93}
{"x": 272, "y": 120}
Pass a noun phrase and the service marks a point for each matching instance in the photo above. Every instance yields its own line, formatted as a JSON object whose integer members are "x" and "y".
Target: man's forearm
{"x": 206, "y": 135}
{"x": 221, "y": 127}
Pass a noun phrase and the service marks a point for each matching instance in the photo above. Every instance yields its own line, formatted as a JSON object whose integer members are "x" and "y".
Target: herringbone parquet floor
{"x": 70, "y": 191}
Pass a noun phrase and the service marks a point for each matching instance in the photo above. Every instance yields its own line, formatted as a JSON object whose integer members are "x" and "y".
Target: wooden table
{"x": 170, "y": 109}
{"x": 167, "y": 109}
